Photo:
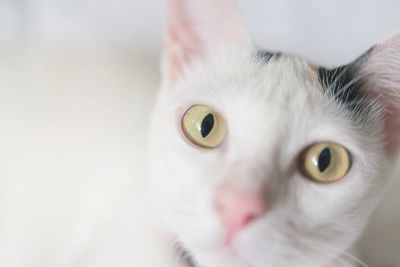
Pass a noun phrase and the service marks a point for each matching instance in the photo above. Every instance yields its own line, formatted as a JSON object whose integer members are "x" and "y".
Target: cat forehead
{"x": 260, "y": 92}
{"x": 257, "y": 79}
{"x": 273, "y": 81}
{"x": 266, "y": 91}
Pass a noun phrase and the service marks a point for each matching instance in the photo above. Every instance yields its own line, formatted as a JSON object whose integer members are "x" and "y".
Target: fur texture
{"x": 273, "y": 110}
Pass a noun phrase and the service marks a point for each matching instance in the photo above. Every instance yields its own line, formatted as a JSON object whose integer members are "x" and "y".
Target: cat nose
{"x": 237, "y": 208}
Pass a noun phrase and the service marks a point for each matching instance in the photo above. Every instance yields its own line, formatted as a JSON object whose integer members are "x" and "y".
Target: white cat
{"x": 263, "y": 159}
{"x": 72, "y": 127}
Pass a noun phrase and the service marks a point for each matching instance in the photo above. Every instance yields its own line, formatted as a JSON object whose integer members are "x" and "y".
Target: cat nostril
{"x": 237, "y": 208}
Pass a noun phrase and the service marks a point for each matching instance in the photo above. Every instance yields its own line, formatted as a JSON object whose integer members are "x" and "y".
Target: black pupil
{"x": 206, "y": 125}
{"x": 324, "y": 159}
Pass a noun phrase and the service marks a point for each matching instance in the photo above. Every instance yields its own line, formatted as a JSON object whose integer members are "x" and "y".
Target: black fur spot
{"x": 344, "y": 84}
{"x": 266, "y": 56}
{"x": 186, "y": 257}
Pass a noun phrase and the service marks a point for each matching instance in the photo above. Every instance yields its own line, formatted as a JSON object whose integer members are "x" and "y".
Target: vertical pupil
{"x": 207, "y": 124}
{"x": 324, "y": 159}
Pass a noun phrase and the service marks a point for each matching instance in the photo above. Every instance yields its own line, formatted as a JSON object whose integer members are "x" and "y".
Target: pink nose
{"x": 237, "y": 208}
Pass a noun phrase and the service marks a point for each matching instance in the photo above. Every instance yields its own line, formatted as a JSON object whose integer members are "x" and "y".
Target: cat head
{"x": 265, "y": 159}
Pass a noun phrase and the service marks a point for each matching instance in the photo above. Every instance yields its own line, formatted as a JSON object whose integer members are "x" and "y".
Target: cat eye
{"x": 325, "y": 162}
{"x": 203, "y": 126}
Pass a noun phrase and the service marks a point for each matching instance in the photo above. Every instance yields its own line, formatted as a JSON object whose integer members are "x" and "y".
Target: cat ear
{"x": 195, "y": 27}
{"x": 380, "y": 72}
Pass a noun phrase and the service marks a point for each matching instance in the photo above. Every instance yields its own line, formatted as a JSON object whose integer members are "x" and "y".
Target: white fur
{"x": 272, "y": 111}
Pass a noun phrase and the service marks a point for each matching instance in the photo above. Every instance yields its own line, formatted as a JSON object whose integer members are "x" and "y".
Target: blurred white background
{"x": 77, "y": 81}
{"x": 331, "y": 32}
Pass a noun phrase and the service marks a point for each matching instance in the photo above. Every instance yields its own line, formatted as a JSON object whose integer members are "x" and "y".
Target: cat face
{"x": 260, "y": 159}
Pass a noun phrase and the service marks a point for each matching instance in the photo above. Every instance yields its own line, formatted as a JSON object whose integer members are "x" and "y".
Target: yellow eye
{"x": 203, "y": 126}
{"x": 325, "y": 162}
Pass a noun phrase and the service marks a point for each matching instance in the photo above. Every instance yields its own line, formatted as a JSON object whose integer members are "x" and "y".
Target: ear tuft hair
{"x": 195, "y": 27}
{"x": 380, "y": 71}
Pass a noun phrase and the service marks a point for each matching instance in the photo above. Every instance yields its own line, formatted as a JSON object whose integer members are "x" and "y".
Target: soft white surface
{"x": 73, "y": 120}
{"x": 72, "y": 134}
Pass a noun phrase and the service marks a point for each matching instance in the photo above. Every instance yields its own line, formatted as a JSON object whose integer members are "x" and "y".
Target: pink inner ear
{"x": 181, "y": 43}
{"x": 382, "y": 73}
{"x": 196, "y": 26}
{"x": 392, "y": 129}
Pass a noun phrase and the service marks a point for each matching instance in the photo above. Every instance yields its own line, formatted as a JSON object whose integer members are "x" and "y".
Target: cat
{"x": 259, "y": 158}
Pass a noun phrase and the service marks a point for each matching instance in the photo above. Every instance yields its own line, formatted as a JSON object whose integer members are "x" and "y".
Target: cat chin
{"x": 237, "y": 254}
{"x": 201, "y": 255}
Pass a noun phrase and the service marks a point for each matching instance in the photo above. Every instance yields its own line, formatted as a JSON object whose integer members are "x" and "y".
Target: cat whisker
{"x": 321, "y": 246}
